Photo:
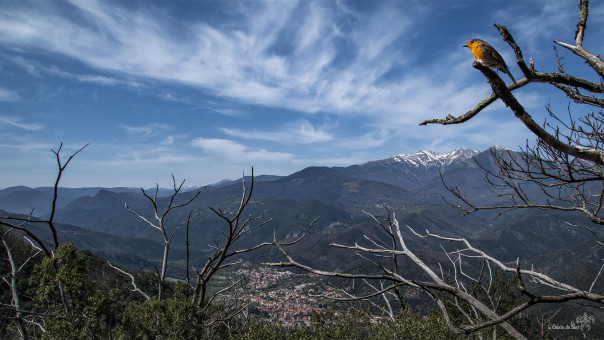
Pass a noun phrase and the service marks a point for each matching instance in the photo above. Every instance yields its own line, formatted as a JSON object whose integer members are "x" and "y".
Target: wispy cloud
{"x": 37, "y": 70}
{"x": 31, "y": 67}
{"x": 7, "y": 95}
{"x": 148, "y": 130}
{"x": 23, "y": 146}
{"x": 558, "y": 17}
{"x": 280, "y": 84}
{"x": 228, "y": 112}
{"x": 18, "y": 123}
{"x": 235, "y": 151}
{"x": 302, "y": 132}
{"x": 318, "y": 64}
{"x": 369, "y": 140}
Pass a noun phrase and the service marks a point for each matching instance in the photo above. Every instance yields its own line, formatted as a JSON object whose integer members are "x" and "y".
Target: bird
{"x": 488, "y": 56}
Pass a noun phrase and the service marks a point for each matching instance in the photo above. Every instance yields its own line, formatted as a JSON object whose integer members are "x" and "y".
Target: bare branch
{"x": 132, "y": 282}
{"x": 62, "y": 167}
{"x": 235, "y": 228}
{"x": 160, "y": 218}
{"x": 596, "y": 279}
{"x": 563, "y": 81}
{"x": 459, "y": 292}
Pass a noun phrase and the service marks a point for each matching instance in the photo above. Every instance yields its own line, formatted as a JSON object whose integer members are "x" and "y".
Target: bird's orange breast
{"x": 477, "y": 51}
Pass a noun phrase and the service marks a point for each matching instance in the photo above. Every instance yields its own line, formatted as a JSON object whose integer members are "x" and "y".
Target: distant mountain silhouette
{"x": 409, "y": 185}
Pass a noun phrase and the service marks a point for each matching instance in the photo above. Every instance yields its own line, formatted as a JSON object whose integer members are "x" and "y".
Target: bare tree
{"x": 23, "y": 319}
{"x": 469, "y": 265}
{"x": 564, "y": 169}
{"x": 237, "y": 225}
{"x": 373, "y": 251}
{"x": 20, "y": 223}
{"x": 223, "y": 252}
{"x": 565, "y": 164}
{"x": 159, "y": 224}
{"x": 221, "y": 257}
{"x": 571, "y": 86}
{"x": 538, "y": 177}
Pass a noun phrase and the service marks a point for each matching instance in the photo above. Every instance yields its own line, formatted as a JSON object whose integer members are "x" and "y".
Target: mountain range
{"x": 411, "y": 185}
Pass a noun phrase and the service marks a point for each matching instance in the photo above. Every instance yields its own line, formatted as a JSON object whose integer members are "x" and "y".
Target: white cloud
{"x": 7, "y": 95}
{"x": 302, "y": 132}
{"x": 281, "y": 54}
{"x": 308, "y": 56}
{"x": 22, "y": 145}
{"x": 32, "y": 68}
{"x": 238, "y": 152}
{"x": 241, "y": 63}
{"x": 228, "y": 112}
{"x": 88, "y": 78}
{"x": 148, "y": 130}
{"x": 169, "y": 140}
{"x": 531, "y": 26}
{"x": 18, "y": 123}
{"x": 37, "y": 70}
{"x": 367, "y": 140}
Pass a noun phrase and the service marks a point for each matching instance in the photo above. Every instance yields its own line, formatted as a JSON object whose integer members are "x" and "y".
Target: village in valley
{"x": 283, "y": 295}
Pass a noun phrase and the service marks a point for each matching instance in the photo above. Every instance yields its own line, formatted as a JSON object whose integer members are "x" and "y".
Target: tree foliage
{"x": 74, "y": 307}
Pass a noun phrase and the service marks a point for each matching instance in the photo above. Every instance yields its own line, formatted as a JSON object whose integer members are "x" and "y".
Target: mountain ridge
{"x": 411, "y": 186}
{"x": 428, "y": 158}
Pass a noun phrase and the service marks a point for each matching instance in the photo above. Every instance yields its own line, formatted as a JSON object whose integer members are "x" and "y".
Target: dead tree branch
{"x": 132, "y": 282}
{"x": 12, "y": 221}
{"x": 159, "y": 224}
{"x": 236, "y": 226}
{"x": 567, "y": 83}
{"x": 19, "y": 319}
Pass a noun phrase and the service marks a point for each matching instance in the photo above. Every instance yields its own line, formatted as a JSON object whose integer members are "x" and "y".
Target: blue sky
{"x": 206, "y": 89}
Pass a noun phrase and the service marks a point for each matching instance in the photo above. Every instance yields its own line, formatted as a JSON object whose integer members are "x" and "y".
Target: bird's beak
{"x": 465, "y": 46}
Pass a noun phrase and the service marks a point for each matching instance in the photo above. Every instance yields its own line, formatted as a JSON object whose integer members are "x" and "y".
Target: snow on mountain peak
{"x": 426, "y": 158}
{"x": 501, "y": 148}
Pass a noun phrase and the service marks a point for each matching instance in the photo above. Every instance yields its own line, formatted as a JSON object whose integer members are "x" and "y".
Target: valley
{"x": 340, "y": 199}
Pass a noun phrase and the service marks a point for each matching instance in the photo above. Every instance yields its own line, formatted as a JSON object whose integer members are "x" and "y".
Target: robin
{"x": 488, "y": 56}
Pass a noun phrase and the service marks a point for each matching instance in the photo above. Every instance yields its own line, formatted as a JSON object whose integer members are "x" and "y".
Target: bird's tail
{"x": 510, "y": 74}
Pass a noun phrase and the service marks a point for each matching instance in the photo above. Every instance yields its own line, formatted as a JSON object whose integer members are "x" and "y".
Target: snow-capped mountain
{"x": 428, "y": 159}
{"x": 410, "y": 171}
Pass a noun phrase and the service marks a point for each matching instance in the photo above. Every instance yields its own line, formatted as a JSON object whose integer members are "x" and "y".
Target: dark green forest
{"x": 76, "y": 295}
